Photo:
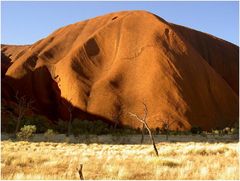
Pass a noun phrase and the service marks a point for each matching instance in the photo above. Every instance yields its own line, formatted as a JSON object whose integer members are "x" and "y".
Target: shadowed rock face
{"x": 223, "y": 57}
{"x": 108, "y": 65}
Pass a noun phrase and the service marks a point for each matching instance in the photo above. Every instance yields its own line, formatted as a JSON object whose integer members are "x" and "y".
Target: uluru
{"x": 108, "y": 66}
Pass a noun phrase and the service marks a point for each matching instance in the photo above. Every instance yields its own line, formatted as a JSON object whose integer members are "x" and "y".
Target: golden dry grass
{"x": 189, "y": 160}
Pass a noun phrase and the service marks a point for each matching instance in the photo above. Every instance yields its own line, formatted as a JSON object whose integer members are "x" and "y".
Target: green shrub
{"x": 96, "y": 127}
{"x": 89, "y": 127}
{"x": 61, "y": 126}
{"x": 234, "y": 130}
{"x": 175, "y": 133}
{"x": 8, "y": 119}
{"x": 204, "y": 134}
{"x": 226, "y": 130}
{"x": 41, "y": 122}
{"x": 49, "y": 134}
{"x": 158, "y": 131}
{"x": 26, "y": 132}
{"x": 128, "y": 131}
{"x": 8, "y": 124}
{"x": 196, "y": 130}
{"x": 99, "y": 127}
{"x": 125, "y": 130}
{"x": 215, "y": 132}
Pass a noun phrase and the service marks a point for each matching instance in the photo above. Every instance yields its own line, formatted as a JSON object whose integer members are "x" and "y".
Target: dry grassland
{"x": 179, "y": 160}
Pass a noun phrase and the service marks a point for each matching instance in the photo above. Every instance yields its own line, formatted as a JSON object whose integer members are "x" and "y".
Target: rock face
{"x": 107, "y": 66}
{"x": 223, "y": 57}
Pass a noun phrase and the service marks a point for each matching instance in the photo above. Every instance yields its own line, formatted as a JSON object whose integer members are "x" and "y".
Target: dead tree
{"x": 116, "y": 118}
{"x": 116, "y": 113}
{"x": 80, "y": 172}
{"x": 143, "y": 121}
{"x": 143, "y": 125}
{"x": 23, "y": 105}
{"x": 143, "y": 133}
{"x": 70, "y": 108}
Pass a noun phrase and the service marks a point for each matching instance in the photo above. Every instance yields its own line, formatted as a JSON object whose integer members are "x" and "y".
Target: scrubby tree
{"x": 143, "y": 120}
{"x": 23, "y": 105}
{"x": 165, "y": 127}
{"x": 69, "y": 106}
{"x": 196, "y": 130}
{"x": 26, "y": 132}
{"x": 116, "y": 113}
{"x": 116, "y": 118}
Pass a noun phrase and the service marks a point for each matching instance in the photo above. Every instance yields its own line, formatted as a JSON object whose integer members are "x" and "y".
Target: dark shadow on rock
{"x": 39, "y": 86}
{"x": 91, "y": 47}
{"x": 43, "y": 90}
{"x": 5, "y": 64}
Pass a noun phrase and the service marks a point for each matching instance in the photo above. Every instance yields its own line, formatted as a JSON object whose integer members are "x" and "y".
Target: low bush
{"x": 196, "y": 130}
{"x": 226, "y": 130}
{"x": 204, "y": 134}
{"x": 99, "y": 127}
{"x": 175, "y": 133}
{"x": 49, "y": 134}
{"x": 8, "y": 124}
{"x": 158, "y": 131}
{"x": 8, "y": 118}
{"x": 235, "y": 130}
{"x": 216, "y": 132}
{"x": 61, "y": 126}
{"x": 41, "y": 122}
{"x": 26, "y": 132}
{"x": 89, "y": 127}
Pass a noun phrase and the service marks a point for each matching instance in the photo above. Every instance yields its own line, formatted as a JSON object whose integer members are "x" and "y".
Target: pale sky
{"x": 27, "y": 22}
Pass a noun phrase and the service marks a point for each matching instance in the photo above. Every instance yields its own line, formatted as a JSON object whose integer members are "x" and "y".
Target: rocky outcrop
{"x": 106, "y": 66}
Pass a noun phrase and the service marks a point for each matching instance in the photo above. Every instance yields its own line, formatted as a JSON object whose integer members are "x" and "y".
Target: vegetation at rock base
{"x": 26, "y": 132}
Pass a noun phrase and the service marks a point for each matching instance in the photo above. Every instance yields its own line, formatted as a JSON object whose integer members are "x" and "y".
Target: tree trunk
{"x": 153, "y": 141}
{"x": 116, "y": 123}
{"x": 143, "y": 120}
{"x": 167, "y": 135}
{"x": 143, "y": 132}
{"x": 69, "y": 125}
{"x": 17, "y": 126}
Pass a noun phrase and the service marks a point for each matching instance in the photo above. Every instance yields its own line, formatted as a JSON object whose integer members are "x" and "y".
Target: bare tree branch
{"x": 116, "y": 117}
{"x": 23, "y": 105}
{"x": 136, "y": 116}
{"x": 143, "y": 120}
{"x": 166, "y": 126}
